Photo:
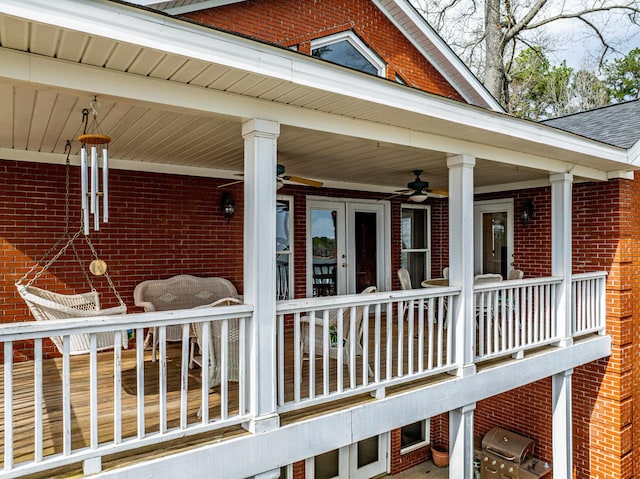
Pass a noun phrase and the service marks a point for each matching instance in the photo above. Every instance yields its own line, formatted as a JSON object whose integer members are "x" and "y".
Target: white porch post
{"x": 461, "y": 260}
{"x": 561, "y": 199}
{"x": 461, "y": 442}
{"x": 260, "y": 146}
{"x": 562, "y": 424}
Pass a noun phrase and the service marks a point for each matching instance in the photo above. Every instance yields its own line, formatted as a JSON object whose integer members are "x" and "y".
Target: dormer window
{"x": 346, "y": 49}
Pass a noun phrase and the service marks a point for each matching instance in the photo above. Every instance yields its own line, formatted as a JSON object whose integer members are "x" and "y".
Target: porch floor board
{"x": 23, "y": 403}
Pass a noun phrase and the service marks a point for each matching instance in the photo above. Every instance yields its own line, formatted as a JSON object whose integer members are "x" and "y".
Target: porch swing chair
{"x": 47, "y": 305}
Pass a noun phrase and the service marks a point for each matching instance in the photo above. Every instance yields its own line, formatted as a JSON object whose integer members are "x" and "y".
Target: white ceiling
{"x": 39, "y": 114}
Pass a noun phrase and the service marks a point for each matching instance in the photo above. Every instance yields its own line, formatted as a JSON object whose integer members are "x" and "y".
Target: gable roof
{"x": 617, "y": 124}
{"x": 406, "y": 19}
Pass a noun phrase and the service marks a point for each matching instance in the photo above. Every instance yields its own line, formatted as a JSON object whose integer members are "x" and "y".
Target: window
{"x": 416, "y": 242}
{"x": 346, "y": 49}
{"x": 414, "y": 436}
{"x": 284, "y": 247}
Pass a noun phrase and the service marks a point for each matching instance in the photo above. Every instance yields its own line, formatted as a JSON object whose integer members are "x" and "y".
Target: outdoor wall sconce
{"x": 526, "y": 212}
{"x": 228, "y": 206}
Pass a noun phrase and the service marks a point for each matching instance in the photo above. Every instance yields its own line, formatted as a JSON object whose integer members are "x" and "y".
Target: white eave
{"x": 328, "y": 98}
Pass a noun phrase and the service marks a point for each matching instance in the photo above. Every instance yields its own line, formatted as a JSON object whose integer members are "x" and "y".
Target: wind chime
{"x": 92, "y": 141}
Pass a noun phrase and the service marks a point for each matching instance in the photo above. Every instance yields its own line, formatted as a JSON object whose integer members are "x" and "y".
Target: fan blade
{"x": 391, "y": 196}
{"x": 404, "y": 192}
{"x": 230, "y": 183}
{"x": 304, "y": 181}
{"x": 439, "y": 193}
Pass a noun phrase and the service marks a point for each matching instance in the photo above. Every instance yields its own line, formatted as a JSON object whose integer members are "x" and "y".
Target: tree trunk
{"x": 494, "y": 68}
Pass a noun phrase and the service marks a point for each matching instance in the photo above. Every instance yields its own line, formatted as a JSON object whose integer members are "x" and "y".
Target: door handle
{"x": 344, "y": 265}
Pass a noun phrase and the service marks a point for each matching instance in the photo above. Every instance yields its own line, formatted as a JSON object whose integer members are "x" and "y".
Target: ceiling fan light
{"x": 418, "y": 196}
{"x": 279, "y": 183}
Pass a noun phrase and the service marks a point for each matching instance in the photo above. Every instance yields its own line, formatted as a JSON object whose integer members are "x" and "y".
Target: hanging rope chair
{"x": 47, "y": 305}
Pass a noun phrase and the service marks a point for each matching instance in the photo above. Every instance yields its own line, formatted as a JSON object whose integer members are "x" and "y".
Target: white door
{"x": 347, "y": 247}
{"x": 362, "y": 460}
{"x": 493, "y": 237}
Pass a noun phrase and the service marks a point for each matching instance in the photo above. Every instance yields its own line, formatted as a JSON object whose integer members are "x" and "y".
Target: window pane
{"x": 367, "y": 451}
{"x": 412, "y": 434}
{"x": 414, "y": 228}
{"x": 415, "y": 263}
{"x": 283, "y": 239}
{"x": 282, "y": 276}
{"x": 344, "y": 53}
{"x": 366, "y": 249}
{"x": 323, "y": 237}
{"x": 494, "y": 243}
{"x": 326, "y": 465}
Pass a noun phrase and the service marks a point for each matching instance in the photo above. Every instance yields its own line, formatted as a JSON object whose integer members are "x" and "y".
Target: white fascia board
{"x": 634, "y": 154}
{"x": 194, "y": 7}
{"x": 178, "y": 96}
{"x": 448, "y": 55}
{"x": 173, "y": 36}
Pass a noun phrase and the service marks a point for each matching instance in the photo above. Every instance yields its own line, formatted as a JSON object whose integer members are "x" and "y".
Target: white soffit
{"x": 389, "y": 105}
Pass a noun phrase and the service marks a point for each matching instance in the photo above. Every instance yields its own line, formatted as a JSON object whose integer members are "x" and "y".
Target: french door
{"x": 347, "y": 247}
{"x": 362, "y": 460}
{"x": 493, "y": 237}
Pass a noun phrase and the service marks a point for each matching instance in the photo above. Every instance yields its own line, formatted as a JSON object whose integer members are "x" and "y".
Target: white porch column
{"x": 562, "y": 424}
{"x": 462, "y": 315}
{"x": 461, "y": 442}
{"x": 561, "y": 199}
{"x": 260, "y": 145}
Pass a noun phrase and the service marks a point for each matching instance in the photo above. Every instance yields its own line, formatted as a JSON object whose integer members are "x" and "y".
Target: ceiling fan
{"x": 419, "y": 190}
{"x": 281, "y": 178}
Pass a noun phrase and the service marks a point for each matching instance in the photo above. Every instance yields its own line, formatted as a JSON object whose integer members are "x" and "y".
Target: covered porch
{"x": 184, "y": 125}
{"x": 83, "y": 411}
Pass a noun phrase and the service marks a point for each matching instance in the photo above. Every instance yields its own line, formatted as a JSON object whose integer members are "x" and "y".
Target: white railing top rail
{"x": 335, "y": 302}
{"x": 61, "y": 327}
{"x": 592, "y": 275}
{"x": 516, "y": 283}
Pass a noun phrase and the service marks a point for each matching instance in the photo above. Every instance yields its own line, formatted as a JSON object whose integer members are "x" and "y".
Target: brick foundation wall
{"x": 295, "y": 23}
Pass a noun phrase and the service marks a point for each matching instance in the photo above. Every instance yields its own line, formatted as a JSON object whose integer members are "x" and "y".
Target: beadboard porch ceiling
{"x": 178, "y": 113}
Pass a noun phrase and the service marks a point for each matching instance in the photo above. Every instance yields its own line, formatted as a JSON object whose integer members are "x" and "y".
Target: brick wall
{"x": 162, "y": 225}
{"x": 295, "y": 23}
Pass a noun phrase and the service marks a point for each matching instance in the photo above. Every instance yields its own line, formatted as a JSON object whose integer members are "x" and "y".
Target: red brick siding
{"x": 297, "y": 22}
{"x": 162, "y": 225}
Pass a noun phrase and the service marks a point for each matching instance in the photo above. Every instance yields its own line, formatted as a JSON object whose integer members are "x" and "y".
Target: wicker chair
{"x": 47, "y": 305}
{"x": 332, "y": 348}
{"x": 179, "y": 292}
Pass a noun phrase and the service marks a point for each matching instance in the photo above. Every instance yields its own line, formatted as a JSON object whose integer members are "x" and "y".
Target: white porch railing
{"x": 588, "y": 292}
{"x": 347, "y": 345}
{"x": 66, "y": 413}
{"x": 512, "y": 316}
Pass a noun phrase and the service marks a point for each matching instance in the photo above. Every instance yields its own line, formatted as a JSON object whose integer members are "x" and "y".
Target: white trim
{"x": 194, "y": 7}
{"x": 411, "y": 16}
{"x": 348, "y": 35}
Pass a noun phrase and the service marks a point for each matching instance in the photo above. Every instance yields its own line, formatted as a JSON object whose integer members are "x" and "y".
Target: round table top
{"x": 435, "y": 282}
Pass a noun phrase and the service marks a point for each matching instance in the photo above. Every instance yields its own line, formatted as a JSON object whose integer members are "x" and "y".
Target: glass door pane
{"x": 494, "y": 243}
{"x": 366, "y": 247}
{"x": 327, "y": 465}
{"x": 326, "y": 229}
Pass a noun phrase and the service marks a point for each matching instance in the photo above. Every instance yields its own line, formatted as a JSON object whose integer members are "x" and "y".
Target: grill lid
{"x": 508, "y": 445}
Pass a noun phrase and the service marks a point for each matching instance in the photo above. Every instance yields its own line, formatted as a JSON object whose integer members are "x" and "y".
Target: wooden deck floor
{"x": 23, "y": 404}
